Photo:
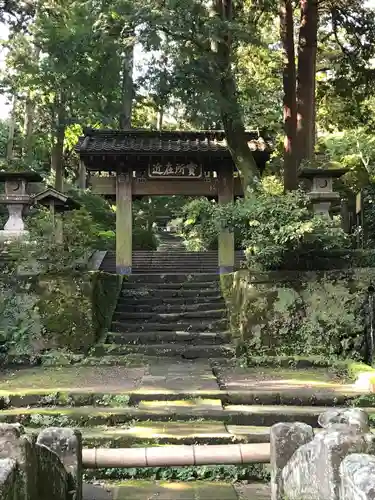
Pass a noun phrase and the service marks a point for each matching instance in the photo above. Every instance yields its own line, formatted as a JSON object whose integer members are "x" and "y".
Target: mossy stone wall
{"x": 300, "y": 313}
{"x": 71, "y": 310}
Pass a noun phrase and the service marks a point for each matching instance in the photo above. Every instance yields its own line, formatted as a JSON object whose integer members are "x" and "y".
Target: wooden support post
{"x": 124, "y": 223}
{"x": 226, "y": 238}
{"x": 82, "y": 175}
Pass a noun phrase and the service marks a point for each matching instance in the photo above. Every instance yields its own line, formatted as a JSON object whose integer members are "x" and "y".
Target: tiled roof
{"x": 145, "y": 141}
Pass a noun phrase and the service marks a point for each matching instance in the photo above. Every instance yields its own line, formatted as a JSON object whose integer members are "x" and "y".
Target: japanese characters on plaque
{"x": 178, "y": 170}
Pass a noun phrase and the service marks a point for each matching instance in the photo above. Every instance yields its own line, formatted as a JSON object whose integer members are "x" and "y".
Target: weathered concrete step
{"x": 123, "y": 306}
{"x": 262, "y": 416}
{"x": 169, "y": 337}
{"x": 170, "y": 293}
{"x": 186, "y": 351}
{"x": 187, "y": 285}
{"x": 159, "y": 433}
{"x": 172, "y": 490}
{"x": 172, "y": 278}
{"x": 182, "y": 326}
{"x": 166, "y": 317}
{"x": 192, "y": 300}
{"x": 154, "y": 391}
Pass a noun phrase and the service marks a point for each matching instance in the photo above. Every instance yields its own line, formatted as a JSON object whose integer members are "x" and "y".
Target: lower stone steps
{"x": 182, "y": 326}
{"x": 188, "y": 351}
{"x": 169, "y": 337}
{"x": 253, "y": 415}
{"x": 176, "y": 307}
{"x": 192, "y": 489}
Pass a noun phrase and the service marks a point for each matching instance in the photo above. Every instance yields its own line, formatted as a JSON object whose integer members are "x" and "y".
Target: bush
{"x": 274, "y": 228}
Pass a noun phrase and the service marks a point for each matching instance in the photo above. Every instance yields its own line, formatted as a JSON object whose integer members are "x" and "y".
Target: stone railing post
{"x": 15, "y": 445}
{"x": 67, "y": 444}
{"x": 285, "y": 439}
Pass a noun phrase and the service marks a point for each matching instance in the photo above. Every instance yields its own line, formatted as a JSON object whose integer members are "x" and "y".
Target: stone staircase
{"x": 170, "y": 262}
{"x": 177, "y": 315}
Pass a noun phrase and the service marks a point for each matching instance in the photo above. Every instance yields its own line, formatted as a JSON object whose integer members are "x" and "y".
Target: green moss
{"x": 192, "y": 473}
{"x": 105, "y": 292}
{"x": 314, "y": 314}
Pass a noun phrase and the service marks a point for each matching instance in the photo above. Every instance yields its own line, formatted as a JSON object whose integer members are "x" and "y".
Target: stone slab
{"x": 189, "y": 406}
{"x": 146, "y": 490}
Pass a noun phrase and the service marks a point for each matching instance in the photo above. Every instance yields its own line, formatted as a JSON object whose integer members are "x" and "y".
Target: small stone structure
{"x": 321, "y": 192}
{"x": 46, "y": 468}
{"x": 335, "y": 463}
{"x": 16, "y": 198}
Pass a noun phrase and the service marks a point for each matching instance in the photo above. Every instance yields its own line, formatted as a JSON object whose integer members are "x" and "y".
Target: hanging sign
{"x": 175, "y": 171}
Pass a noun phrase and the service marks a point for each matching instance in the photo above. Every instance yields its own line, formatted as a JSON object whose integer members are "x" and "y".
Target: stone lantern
{"x": 58, "y": 203}
{"x": 17, "y": 199}
{"x": 321, "y": 191}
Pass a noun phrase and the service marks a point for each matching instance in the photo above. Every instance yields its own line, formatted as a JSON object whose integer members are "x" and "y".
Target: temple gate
{"x": 126, "y": 164}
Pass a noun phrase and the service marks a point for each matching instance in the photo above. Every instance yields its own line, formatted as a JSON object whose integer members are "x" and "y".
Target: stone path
{"x": 154, "y": 490}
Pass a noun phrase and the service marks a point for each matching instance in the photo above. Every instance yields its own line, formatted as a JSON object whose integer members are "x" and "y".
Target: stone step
{"x": 187, "y": 285}
{"x": 186, "y": 351}
{"x": 167, "y": 317}
{"x": 181, "y": 326}
{"x": 177, "y": 433}
{"x": 155, "y": 389}
{"x": 170, "y": 293}
{"x": 191, "y": 300}
{"x": 169, "y": 338}
{"x": 259, "y": 416}
{"x": 173, "y": 490}
{"x": 172, "y": 278}
{"x": 123, "y": 306}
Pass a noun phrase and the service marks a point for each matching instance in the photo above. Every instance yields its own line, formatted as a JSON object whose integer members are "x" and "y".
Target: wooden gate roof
{"x": 156, "y": 142}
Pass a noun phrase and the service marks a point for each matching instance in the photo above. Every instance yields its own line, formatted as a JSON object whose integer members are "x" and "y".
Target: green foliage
{"x": 191, "y": 473}
{"x": 274, "y": 228}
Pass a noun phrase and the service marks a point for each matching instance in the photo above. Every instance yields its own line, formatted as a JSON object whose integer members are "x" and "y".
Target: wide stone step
{"x": 169, "y": 338}
{"x": 167, "y": 317}
{"x": 192, "y": 300}
{"x": 187, "y": 285}
{"x": 262, "y": 416}
{"x": 170, "y": 293}
{"x": 182, "y": 326}
{"x": 172, "y": 490}
{"x": 172, "y": 278}
{"x": 123, "y": 306}
{"x": 155, "y": 389}
{"x": 178, "y": 433}
{"x": 186, "y": 351}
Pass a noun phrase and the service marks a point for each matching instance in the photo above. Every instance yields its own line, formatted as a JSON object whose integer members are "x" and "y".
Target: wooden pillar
{"x": 82, "y": 175}
{"x": 226, "y": 238}
{"x": 124, "y": 223}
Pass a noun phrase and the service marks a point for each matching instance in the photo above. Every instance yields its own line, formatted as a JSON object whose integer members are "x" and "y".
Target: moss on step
{"x": 191, "y": 473}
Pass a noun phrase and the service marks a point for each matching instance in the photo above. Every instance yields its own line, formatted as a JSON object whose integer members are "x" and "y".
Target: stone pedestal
{"x": 16, "y": 199}
{"x": 321, "y": 191}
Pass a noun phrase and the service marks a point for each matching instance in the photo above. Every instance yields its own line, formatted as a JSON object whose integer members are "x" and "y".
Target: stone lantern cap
{"x": 26, "y": 175}
{"x": 60, "y": 201}
{"x": 312, "y": 173}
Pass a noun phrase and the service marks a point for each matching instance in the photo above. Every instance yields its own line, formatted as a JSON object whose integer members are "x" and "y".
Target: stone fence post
{"x": 67, "y": 444}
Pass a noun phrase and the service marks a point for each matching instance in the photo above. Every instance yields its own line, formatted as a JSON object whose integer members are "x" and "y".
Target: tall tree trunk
{"x": 127, "y": 91}
{"x": 11, "y": 129}
{"x": 307, "y": 47}
{"x": 28, "y": 127}
{"x": 57, "y": 156}
{"x": 289, "y": 100}
{"x": 231, "y": 113}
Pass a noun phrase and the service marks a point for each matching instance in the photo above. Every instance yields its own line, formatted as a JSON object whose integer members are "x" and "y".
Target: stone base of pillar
{"x": 123, "y": 270}
{"x": 226, "y": 269}
{"x": 7, "y": 235}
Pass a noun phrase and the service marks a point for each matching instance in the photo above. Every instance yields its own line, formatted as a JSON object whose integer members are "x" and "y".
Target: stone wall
{"x": 31, "y": 470}
{"x": 300, "y": 313}
{"x": 335, "y": 463}
{"x": 71, "y": 311}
